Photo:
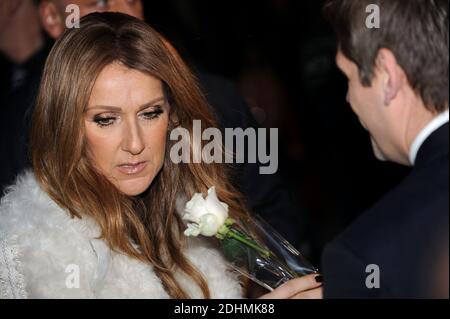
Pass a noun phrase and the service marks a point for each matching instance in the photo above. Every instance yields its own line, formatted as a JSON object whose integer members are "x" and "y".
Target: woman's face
{"x": 126, "y": 127}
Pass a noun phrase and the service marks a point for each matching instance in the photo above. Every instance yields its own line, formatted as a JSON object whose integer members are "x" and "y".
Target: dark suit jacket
{"x": 404, "y": 234}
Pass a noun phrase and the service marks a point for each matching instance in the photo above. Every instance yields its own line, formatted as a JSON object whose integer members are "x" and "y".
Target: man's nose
{"x": 133, "y": 141}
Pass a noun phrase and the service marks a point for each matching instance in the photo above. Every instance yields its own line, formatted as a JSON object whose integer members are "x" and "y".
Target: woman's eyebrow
{"x": 105, "y": 107}
{"x": 119, "y": 109}
{"x": 146, "y": 105}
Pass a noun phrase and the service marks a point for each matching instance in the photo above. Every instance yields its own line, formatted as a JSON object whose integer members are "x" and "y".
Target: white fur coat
{"x": 46, "y": 254}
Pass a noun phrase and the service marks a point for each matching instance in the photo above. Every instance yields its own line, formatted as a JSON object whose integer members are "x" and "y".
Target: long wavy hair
{"x": 146, "y": 227}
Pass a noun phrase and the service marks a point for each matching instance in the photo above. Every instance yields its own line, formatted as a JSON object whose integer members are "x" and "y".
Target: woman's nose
{"x": 133, "y": 141}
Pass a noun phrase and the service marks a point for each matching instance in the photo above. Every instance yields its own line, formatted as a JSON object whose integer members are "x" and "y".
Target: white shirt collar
{"x": 436, "y": 123}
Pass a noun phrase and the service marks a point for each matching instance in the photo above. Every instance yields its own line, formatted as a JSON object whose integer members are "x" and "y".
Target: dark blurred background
{"x": 280, "y": 54}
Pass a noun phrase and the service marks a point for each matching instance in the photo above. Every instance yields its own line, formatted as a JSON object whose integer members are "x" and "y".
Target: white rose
{"x": 206, "y": 215}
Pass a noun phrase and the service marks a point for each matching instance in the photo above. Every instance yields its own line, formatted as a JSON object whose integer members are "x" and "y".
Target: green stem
{"x": 232, "y": 234}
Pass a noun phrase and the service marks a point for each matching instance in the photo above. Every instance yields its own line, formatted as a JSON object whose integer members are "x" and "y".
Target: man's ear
{"x": 392, "y": 74}
{"x": 51, "y": 19}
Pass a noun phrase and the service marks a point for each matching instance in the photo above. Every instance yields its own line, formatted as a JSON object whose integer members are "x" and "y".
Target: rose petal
{"x": 208, "y": 214}
{"x": 192, "y": 231}
{"x": 196, "y": 207}
{"x": 209, "y": 225}
{"x": 216, "y": 207}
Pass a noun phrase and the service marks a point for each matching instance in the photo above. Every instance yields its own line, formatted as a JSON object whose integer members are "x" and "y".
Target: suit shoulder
{"x": 419, "y": 202}
{"x": 398, "y": 233}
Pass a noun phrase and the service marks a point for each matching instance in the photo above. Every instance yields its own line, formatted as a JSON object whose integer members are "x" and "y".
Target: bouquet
{"x": 252, "y": 246}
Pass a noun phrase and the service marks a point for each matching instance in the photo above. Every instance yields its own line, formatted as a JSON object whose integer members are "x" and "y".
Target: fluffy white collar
{"x": 46, "y": 254}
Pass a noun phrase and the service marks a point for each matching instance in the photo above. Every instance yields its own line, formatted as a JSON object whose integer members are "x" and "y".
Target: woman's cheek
{"x": 102, "y": 145}
{"x": 157, "y": 139}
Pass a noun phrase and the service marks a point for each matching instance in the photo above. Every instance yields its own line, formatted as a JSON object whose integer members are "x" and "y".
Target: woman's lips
{"x": 132, "y": 169}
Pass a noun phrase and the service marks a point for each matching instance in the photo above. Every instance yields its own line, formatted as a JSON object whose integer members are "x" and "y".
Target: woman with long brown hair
{"x": 97, "y": 217}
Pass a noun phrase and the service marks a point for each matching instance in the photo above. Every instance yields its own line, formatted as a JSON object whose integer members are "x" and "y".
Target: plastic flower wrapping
{"x": 251, "y": 246}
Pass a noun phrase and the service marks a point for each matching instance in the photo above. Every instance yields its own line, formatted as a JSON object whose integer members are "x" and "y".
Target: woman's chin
{"x": 135, "y": 186}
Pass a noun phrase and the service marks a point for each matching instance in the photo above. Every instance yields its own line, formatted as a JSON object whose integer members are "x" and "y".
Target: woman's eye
{"x": 152, "y": 115}
{"x": 104, "y": 121}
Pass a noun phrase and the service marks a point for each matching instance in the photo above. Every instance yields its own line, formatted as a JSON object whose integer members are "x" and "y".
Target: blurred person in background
{"x": 21, "y": 63}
